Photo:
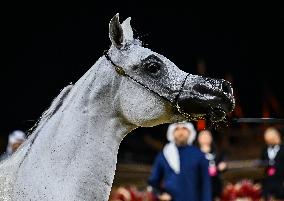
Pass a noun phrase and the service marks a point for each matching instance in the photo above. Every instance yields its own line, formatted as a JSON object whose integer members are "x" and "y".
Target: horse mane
{"x": 55, "y": 105}
{"x": 46, "y": 115}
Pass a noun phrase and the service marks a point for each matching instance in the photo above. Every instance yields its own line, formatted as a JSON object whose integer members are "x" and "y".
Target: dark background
{"x": 46, "y": 46}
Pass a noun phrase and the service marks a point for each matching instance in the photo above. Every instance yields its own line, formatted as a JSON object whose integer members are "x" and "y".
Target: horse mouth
{"x": 217, "y": 114}
{"x": 213, "y": 114}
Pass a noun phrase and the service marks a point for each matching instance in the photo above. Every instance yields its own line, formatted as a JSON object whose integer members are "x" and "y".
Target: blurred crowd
{"x": 190, "y": 168}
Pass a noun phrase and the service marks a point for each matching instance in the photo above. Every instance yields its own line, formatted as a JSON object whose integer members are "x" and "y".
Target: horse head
{"x": 154, "y": 90}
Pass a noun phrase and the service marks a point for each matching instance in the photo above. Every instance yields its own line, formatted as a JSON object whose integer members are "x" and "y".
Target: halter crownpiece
{"x": 174, "y": 103}
{"x": 118, "y": 69}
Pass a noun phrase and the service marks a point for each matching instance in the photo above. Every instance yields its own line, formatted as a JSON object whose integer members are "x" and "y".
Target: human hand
{"x": 222, "y": 166}
{"x": 165, "y": 197}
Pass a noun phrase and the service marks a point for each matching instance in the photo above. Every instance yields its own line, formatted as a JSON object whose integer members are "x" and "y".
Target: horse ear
{"x": 116, "y": 32}
{"x": 127, "y": 29}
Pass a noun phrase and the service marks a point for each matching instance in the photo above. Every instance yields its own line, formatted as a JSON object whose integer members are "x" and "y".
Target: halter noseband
{"x": 174, "y": 103}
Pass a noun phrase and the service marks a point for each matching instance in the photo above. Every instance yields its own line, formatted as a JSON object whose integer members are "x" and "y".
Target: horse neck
{"x": 78, "y": 144}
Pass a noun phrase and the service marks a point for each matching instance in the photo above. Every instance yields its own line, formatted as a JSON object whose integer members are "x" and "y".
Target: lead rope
{"x": 174, "y": 103}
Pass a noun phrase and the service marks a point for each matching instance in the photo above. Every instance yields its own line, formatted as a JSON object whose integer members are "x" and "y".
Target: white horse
{"x": 71, "y": 154}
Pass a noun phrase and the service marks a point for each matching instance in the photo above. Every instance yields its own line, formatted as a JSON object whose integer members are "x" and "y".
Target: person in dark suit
{"x": 180, "y": 171}
{"x": 273, "y": 159}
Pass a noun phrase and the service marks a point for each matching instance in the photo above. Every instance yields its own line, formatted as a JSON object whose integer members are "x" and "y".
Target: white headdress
{"x": 187, "y": 125}
{"x": 14, "y": 137}
{"x": 170, "y": 151}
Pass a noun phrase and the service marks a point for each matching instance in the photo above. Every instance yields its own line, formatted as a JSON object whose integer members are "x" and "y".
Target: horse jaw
{"x": 139, "y": 107}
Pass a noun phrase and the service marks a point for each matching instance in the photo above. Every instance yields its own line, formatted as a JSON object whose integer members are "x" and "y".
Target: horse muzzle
{"x": 202, "y": 96}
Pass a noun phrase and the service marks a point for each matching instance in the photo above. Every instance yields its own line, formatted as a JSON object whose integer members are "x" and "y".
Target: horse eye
{"x": 153, "y": 67}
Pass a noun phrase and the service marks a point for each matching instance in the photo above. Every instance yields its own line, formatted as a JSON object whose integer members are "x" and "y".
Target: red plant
{"x": 242, "y": 189}
{"x": 131, "y": 193}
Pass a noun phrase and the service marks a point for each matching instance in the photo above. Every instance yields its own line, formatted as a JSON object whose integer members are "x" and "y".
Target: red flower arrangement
{"x": 131, "y": 193}
{"x": 243, "y": 190}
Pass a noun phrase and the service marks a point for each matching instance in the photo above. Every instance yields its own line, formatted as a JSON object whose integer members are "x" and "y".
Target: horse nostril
{"x": 203, "y": 89}
{"x": 226, "y": 87}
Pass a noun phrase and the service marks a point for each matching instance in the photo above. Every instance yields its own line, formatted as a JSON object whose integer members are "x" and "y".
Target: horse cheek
{"x": 142, "y": 108}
